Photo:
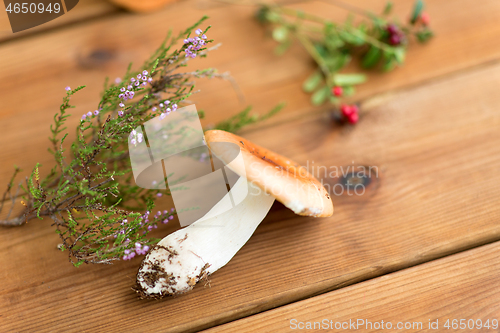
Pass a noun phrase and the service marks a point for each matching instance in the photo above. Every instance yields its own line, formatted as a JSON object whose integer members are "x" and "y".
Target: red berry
{"x": 394, "y": 39}
{"x": 346, "y": 110}
{"x": 337, "y": 91}
{"x": 392, "y": 29}
{"x": 353, "y": 118}
{"x": 354, "y": 108}
{"x": 425, "y": 18}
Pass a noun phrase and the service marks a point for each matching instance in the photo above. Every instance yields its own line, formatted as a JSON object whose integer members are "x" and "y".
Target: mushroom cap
{"x": 290, "y": 183}
{"x": 142, "y": 6}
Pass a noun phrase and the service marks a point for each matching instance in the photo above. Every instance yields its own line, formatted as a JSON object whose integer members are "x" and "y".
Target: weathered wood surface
{"x": 36, "y": 69}
{"x": 431, "y": 129}
{"x": 86, "y": 10}
{"x": 458, "y": 293}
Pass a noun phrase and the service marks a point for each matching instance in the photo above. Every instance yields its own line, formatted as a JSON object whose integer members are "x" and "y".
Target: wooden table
{"x": 421, "y": 245}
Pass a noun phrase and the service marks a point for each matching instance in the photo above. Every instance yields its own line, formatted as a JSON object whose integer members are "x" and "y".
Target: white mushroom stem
{"x": 184, "y": 257}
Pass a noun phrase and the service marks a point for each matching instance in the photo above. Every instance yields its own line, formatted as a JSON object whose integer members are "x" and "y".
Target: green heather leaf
{"x": 322, "y": 51}
{"x": 320, "y": 96}
{"x": 312, "y": 82}
{"x": 399, "y": 54}
{"x": 372, "y": 57}
{"x": 424, "y": 35}
{"x": 348, "y": 79}
{"x": 333, "y": 42}
{"x": 388, "y": 8}
{"x": 349, "y": 90}
{"x": 337, "y": 60}
{"x": 280, "y": 34}
{"x": 389, "y": 64}
{"x": 351, "y": 37}
{"x": 417, "y": 10}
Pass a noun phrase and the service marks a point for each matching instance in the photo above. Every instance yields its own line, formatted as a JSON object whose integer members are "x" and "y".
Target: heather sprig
{"x": 90, "y": 193}
{"x": 380, "y": 41}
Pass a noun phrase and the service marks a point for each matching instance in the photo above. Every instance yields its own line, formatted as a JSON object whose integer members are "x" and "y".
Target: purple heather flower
{"x": 120, "y": 113}
{"x": 139, "y": 137}
{"x": 67, "y": 88}
{"x": 150, "y": 79}
{"x": 132, "y": 79}
{"x": 162, "y": 116}
{"x": 96, "y": 112}
{"x": 89, "y": 114}
{"x": 193, "y": 55}
{"x": 159, "y": 195}
{"x": 204, "y": 36}
{"x": 138, "y": 245}
{"x": 118, "y": 80}
{"x": 131, "y": 93}
{"x": 186, "y": 41}
{"x": 129, "y": 87}
{"x": 198, "y": 31}
{"x": 161, "y": 105}
{"x": 133, "y": 141}
{"x": 121, "y": 105}
{"x": 167, "y": 102}
{"x": 172, "y": 210}
{"x": 122, "y": 89}
{"x": 174, "y": 107}
{"x": 84, "y": 116}
{"x": 154, "y": 109}
{"x": 145, "y": 72}
{"x": 144, "y": 78}
{"x": 126, "y": 251}
{"x": 137, "y": 83}
{"x": 165, "y": 221}
{"x": 168, "y": 110}
{"x": 146, "y": 248}
{"x": 121, "y": 96}
{"x": 139, "y": 76}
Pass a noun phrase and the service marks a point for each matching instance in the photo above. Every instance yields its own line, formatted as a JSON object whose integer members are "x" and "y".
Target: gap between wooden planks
{"x": 34, "y": 70}
{"x": 437, "y": 148}
{"x": 462, "y": 290}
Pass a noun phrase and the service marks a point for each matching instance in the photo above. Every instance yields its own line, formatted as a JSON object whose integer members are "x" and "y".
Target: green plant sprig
{"x": 97, "y": 209}
{"x": 379, "y": 41}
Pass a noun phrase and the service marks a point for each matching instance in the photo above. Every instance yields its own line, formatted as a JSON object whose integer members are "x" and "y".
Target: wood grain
{"x": 462, "y": 286}
{"x": 435, "y": 144}
{"x": 86, "y": 10}
{"x": 437, "y": 148}
{"x": 34, "y": 70}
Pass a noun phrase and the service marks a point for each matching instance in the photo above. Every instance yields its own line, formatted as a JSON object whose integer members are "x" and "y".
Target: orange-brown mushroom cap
{"x": 290, "y": 183}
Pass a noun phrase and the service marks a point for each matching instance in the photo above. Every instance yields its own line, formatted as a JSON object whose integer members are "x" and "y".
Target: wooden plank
{"x": 437, "y": 150}
{"x": 456, "y": 293}
{"x": 35, "y": 70}
{"x": 85, "y": 10}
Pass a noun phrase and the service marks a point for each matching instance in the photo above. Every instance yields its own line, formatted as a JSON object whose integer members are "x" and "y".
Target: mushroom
{"x": 188, "y": 255}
